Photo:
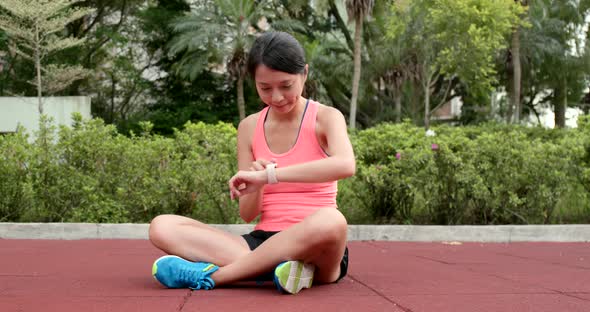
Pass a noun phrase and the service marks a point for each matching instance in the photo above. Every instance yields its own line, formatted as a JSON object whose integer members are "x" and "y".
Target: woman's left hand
{"x": 245, "y": 182}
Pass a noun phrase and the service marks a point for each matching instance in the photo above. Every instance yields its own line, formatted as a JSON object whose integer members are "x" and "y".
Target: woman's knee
{"x": 161, "y": 228}
{"x": 327, "y": 226}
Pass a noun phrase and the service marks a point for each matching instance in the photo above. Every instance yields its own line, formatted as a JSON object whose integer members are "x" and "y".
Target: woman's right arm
{"x": 249, "y": 204}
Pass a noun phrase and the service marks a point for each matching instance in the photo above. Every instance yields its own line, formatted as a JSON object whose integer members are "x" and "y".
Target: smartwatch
{"x": 271, "y": 174}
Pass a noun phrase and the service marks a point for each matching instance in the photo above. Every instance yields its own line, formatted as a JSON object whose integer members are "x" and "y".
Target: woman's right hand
{"x": 242, "y": 183}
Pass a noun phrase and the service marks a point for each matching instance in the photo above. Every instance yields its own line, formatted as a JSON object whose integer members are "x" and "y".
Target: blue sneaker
{"x": 175, "y": 272}
{"x": 292, "y": 276}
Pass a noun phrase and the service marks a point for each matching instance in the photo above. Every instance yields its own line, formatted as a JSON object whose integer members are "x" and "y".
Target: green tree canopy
{"x": 35, "y": 27}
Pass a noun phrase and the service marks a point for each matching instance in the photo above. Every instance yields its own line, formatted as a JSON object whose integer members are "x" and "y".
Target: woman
{"x": 290, "y": 156}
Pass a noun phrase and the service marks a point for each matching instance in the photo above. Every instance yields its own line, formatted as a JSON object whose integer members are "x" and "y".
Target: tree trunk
{"x": 427, "y": 102}
{"x": 241, "y": 102}
{"x": 38, "y": 69}
{"x": 356, "y": 77}
{"x": 398, "y": 106}
{"x": 516, "y": 82}
{"x": 416, "y": 102}
{"x": 560, "y": 104}
{"x": 510, "y": 87}
{"x": 111, "y": 116}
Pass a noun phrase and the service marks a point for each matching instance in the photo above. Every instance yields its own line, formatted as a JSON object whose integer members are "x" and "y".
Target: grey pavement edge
{"x": 409, "y": 233}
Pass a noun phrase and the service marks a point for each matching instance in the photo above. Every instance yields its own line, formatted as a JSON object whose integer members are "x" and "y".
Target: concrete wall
{"x": 24, "y": 111}
{"x": 403, "y": 233}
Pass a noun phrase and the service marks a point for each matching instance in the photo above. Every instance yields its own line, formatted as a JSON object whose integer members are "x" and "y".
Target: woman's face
{"x": 278, "y": 89}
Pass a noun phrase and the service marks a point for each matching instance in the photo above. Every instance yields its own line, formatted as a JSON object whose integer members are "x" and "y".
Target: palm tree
{"x": 357, "y": 11}
{"x": 390, "y": 67}
{"x": 515, "y": 107}
{"x": 545, "y": 50}
{"x": 216, "y": 34}
{"x": 330, "y": 70}
{"x": 571, "y": 62}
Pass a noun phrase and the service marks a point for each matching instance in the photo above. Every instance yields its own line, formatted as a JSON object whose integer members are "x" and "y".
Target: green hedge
{"x": 90, "y": 173}
{"x": 490, "y": 174}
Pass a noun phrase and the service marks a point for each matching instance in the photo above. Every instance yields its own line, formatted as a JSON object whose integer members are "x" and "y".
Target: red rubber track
{"x": 115, "y": 275}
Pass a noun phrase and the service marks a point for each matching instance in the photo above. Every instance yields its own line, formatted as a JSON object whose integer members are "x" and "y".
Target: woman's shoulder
{"x": 328, "y": 113}
{"x": 248, "y": 124}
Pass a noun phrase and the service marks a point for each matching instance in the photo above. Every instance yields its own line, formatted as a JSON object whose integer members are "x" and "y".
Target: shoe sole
{"x": 292, "y": 276}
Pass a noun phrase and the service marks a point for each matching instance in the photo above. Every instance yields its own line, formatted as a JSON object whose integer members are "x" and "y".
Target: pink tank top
{"x": 285, "y": 204}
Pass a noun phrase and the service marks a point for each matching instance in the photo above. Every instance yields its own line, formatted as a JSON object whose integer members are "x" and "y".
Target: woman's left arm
{"x": 341, "y": 162}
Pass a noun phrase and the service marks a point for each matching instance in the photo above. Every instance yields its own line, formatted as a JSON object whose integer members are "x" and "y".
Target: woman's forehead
{"x": 266, "y": 75}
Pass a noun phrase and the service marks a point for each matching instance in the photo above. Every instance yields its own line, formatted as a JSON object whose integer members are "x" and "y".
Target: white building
{"x": 24, "y": 111}
{"x": 451, "y": 111}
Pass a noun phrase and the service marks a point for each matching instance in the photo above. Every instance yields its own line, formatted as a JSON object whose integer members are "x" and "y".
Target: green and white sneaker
{"x": 292, "y": 276}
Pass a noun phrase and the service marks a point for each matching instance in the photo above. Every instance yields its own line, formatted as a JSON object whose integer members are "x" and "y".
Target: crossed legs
{"x": 319, "y": 239}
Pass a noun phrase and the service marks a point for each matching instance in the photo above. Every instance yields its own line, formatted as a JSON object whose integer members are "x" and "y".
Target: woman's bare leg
{"x": 196, "y": 241}
{"x": 320, "y": 239}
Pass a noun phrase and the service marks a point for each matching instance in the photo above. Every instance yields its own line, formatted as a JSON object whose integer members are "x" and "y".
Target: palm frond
{"x": 191, "y": 65}
{"x": 237, "y": 10}
{"x": 289, "y": 25}
{"x": 359, "y": 8}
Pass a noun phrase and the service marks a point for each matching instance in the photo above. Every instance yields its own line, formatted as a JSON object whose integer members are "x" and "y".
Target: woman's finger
{"x": 258, "y": 166}
{"x": 264, "y": 162}
{"x": 231, "y": 183}
{"x": 233, "y": 191}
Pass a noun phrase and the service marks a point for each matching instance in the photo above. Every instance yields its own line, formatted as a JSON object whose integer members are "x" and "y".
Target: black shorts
{"x": 257, "y": 237}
